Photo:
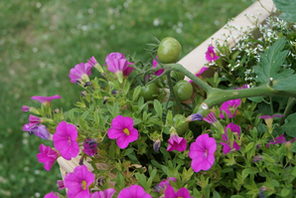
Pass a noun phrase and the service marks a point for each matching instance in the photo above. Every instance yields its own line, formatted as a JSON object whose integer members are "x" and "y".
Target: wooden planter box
{"x": 229, "y": 35}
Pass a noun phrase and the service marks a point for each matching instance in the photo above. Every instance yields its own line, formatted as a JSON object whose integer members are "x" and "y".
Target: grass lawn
{"x": 41, "y": 40}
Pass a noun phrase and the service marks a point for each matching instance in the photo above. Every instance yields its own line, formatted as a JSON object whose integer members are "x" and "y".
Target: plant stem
{"x": 290, "y": 105}
{"x": 195, "y": 79}
{"x": 172, "y": 93}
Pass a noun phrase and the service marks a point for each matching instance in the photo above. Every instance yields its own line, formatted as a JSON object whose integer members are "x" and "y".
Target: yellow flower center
{"x": 83, "y": 185}
{"x": 126, "y": 131}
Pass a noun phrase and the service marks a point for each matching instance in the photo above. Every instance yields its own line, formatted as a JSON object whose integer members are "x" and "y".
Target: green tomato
{"x": 169, "y": 50}
{"x": 150, "y": 91}
{"x": 183, "y": 90}
{"x": 181, "y": 125}
{"x": 177, "y": 76}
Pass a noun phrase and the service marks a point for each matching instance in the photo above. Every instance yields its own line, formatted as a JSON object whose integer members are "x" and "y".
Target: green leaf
{"x": 158, "y": 108}
{"x": 288, "y": 8}
{"x": 290, "y": 125}
{"x": 271, "y": 62}
{"x": 136, "y": 93}
{"x": 286, "y": 84}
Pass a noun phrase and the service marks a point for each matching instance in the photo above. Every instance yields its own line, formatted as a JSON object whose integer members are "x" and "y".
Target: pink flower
{"x": 117, "y": 62}
{"x": 229, "y": 108}
{"x": 122, "y": 129}
{"x": 25, "y": 108}
{"x": 210, "y": 118}
{"x": 108, "y": 193}
{"x": 164, "y": 184}
{"x": 51, "y": 195}
{"x": 202, "y": 153}
{"x": 134, "y": 191}
{"x": 154, "y": 65}
{"x": 38, "y": 130}
{"x": 211, "y": 54}
{"x": 278, "y": 140}
{"x": 45, "y": 99}
{"x": 60, "y": 184}
{"x": 227, "y": 145}
{"x": 47, "y": 156}
{"x": 80, "y": 73}
{"x": 181, "y": 193}
{"x": 92, "y": 61}
{"x": 201, "y": 71}
{"x": 78, "y": 182}
{"x": 176, "y": 143}
{"x": 65, "y": 140}
{"x": 34, "y": 119}
{"x": 90, "y": 147}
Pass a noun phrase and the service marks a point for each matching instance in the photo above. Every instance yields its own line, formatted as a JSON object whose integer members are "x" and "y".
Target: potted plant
{"x": 141, "y": 130}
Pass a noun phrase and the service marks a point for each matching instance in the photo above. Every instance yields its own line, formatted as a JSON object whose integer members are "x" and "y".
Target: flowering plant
{"x": 141, "y": 130}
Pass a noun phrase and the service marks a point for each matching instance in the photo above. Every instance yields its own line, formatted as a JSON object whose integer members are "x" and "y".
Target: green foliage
{"x": 271, "y": 62}
{"x": 287, "y": 7}
{"x": 290, "y": 125}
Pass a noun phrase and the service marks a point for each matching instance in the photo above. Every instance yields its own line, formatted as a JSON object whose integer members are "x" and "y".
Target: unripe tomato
{"x": 183, "y": 90}
{"x": 150, "y": 91}
{"x": 181, "y": 125}
{"x": 169, "y": 50}
{"x": 177, "y": 76}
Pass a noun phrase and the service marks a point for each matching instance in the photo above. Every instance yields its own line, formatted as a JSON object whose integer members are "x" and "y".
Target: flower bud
{"x": 156, "y": 145}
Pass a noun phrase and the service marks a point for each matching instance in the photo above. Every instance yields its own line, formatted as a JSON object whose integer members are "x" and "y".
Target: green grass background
{"x": 41, "y": 40}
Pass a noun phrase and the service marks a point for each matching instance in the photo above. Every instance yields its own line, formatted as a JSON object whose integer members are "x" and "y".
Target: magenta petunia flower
{"x": 90, "y": 147}
{"x": 181, "y": 193}
{"x": 278, "y": 140}
{"x": 25, "y": 108}
{"x": 78, "y": 182}
{"x": 34, "y": 119}
{"x": 211, "y": 54}
{"x": 202, "y": 153}
{"x": 210, "y": 118}
{"x": 134, "y": 191}
{"x": 154, "y": 65}
{"x": 229, "y": 108}
{"x": 60, "y": 184}
{"x": 51, "y": 195}
{"x": 164, "y": 184}
{"x": 92, "y": 61}
{"x": 38, "y": 130}
{"x": 47, "y": 156}
{"x": 176, "y": 143}
{"x": 122, "y": 129}
{"x": 227, "y": 145}
{"x": 108, "y": 193}
{"x": 201, "y": 71}
{"x": 117, "y": 62}
{"x": 80, "y": 73}
{"x": 65, "y": 140}
{"x": 45, "y": 99}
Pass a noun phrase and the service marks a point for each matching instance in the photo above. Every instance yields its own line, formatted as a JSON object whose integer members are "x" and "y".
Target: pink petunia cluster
{"x": 181, "y": 193}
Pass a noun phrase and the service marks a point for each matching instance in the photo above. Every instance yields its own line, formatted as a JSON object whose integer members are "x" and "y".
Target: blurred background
{"x": 41, "y": 40}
